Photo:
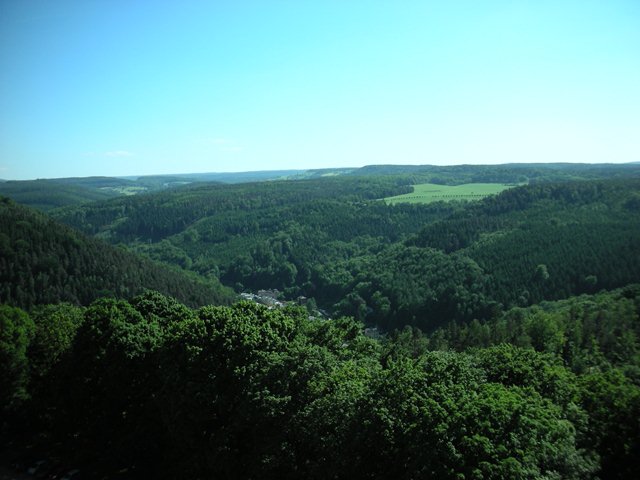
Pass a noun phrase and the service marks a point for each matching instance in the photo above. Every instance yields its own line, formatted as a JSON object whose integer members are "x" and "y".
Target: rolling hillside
{"x": 334, "y": 240}
{"x": 42, "y": 261}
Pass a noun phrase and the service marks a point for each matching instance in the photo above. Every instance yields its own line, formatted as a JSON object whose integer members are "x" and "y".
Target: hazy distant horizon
{"x": 139, "y": 88}
{"x": 285, "y": 170}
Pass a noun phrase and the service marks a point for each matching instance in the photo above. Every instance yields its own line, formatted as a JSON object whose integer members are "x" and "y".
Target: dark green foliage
{"x": 154, "y": 388}
{"x": 440, "y": 418}
{"x": 153, "y": 217}
{"x": 587, "y": 354}
{"x": 226, "y": 392}
{"x": 586, "y": 332}
{"x": 48, "y": 194}
{"x": 16, "y": 331}
{"x": 408, "y": 286}
{"x": 509, "y": 173}
{"x": 105, "y": 397}
{"x": 331, "y": 240}
{"x": 547, "y": 241}
{"x": 536, "y": 439}
{"x": 514, "y": 366}
{"x": 613, "y": 405}
{"x": 477, "y": 374}
{"x": 55, "y": 331}
{"x": 43, "y": 262}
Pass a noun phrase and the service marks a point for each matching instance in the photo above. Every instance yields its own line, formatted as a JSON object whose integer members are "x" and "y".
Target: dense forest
{"x": 44, "y": 262}
{"x": 152, "y": 389}
{"x": 46, "y": 194}
{"x": 496, "y": 338}
{"x": 334, "y": 240}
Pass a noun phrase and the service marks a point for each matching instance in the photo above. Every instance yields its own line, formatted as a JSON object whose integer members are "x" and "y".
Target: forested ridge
{"x": 42, "y": 261}
{"x": 506, "y": 340}
{"x": 48, "y": 194}
{"x": 548, "y": 241}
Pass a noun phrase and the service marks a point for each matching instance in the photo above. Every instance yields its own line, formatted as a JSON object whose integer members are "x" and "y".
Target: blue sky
{"x": 124, "y": 87}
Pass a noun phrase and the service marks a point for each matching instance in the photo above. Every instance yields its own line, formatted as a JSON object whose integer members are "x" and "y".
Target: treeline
{"x": 514, "y": 173}
{"x": 152, "y": 389}
{"x": 46, "y": 194}
{"x": 43, "y": 262}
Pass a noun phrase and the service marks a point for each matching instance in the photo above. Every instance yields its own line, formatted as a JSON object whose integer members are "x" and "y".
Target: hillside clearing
{"x": 431, "y": 192}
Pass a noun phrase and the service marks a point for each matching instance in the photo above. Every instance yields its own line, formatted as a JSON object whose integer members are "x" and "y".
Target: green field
{"x": 127, "y": 190}
{"x": 430, "y": 192}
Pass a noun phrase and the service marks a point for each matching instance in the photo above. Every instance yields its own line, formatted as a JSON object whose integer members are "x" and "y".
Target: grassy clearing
{"x": 430, "y": 192}
{"x": 126, "y": 190}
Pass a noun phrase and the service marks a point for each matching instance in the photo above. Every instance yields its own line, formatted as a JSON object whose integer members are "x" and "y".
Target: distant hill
{"x": 231, "y": 177}
{"x": 48, "y": 194}
{"x": 512, "y": 172}
{"x": 95, "y": 182}
{"x": 42, "y": 261}
{"x": 506, "y": 173}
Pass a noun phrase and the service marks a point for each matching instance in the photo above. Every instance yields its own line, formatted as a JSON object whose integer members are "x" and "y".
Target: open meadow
{"x": 431, "y": 192}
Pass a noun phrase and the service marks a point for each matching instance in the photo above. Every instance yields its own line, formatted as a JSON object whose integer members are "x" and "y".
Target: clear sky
{"x": 125, "y": 87}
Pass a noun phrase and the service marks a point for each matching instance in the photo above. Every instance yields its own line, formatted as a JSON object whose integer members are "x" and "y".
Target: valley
{"x": 219, "y": 325}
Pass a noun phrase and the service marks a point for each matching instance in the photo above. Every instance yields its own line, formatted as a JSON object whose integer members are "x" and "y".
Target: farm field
{"x": 431, "y": 192}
